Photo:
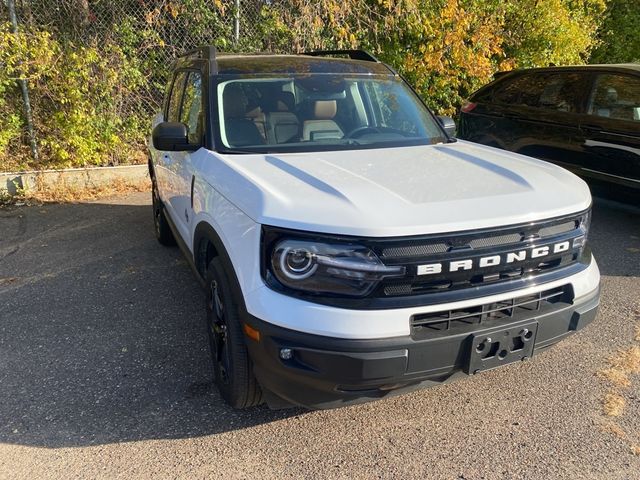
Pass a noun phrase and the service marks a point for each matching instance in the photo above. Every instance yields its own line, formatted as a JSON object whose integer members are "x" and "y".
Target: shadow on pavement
{"x": 615, "y": 238}
{"x": 102, "y": 335}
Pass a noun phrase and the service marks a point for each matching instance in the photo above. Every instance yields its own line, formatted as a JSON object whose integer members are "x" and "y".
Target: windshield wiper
{"x": 240, "y": 151}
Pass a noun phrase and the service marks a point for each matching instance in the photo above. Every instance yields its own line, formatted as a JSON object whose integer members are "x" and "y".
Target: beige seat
{"x": 283, "y": 125}
{"x": 322, "y": 126}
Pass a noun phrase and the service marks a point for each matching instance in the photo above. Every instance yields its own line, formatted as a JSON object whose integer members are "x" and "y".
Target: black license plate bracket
{"x": 502, "y": 346}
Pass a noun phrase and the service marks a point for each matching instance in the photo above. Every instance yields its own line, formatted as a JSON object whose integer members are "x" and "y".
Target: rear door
{"x": 611, "y": 126}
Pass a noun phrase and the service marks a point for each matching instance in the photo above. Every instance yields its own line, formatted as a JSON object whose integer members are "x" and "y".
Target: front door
{"x": 191, "y": 114}
{"x": 611, "y": 149}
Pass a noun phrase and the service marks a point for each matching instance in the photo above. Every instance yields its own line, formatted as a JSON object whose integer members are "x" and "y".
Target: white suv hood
{"x": 397, "y": 191}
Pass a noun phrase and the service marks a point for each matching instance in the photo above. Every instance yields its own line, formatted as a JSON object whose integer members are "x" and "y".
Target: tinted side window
{"x": 173, "y": 111}
{"x": 551, "y": 91}
{"x": 191, "y": 113}
{"x": 510, "y": 90}
{"x": 560, "y": 92}
{"x": 616, "y": 96}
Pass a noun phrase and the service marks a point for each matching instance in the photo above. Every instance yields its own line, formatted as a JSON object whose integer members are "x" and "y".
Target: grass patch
{"x": 622, "y": 364}
{"x": 615, "y": 376}
{"x": 613, "y": 405}
{"x": 627, "y": 360}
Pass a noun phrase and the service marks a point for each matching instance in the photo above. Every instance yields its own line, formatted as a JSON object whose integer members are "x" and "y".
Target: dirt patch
{"x": 615, "y": 377}
{"x": 63, "y": 192}
{"x": 627, "y": 361}
{"x": 624, "y": 365}
{"x": 613, "y": 404}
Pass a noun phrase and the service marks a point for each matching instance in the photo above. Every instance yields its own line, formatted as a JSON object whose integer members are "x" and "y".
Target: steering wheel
{"x": 359, "y": 131}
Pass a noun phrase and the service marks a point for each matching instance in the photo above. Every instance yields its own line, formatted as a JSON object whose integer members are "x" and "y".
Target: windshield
{"x": 303, "y": 113}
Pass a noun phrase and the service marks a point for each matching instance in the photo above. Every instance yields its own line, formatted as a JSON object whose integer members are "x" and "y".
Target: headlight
{"x": 584, "y": 224}
{"x": 333, "y": 268}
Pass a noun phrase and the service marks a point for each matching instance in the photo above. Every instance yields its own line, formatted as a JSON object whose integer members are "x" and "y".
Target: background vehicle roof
{"x": 235, "y": 64}
{"x": 605, "y": 66}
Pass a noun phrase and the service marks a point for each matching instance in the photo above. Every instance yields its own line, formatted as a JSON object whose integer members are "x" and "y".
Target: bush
{"x": 97, "y": 70}
{"x": 80, "y": 101}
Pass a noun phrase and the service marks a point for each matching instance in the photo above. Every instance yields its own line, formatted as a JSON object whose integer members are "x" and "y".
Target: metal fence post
{"x": 237, "y": 23}
{"x": 11, "y": 4}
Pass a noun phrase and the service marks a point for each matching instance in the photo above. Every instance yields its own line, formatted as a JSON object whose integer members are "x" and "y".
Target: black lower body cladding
{"x": 324, "y": 372}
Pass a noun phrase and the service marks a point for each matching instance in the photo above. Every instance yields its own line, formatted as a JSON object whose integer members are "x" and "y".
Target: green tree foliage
{"x": 79, "y": 98}
{"x": 448, "y": 48}
{"x": 95, "y": 67}
{"x": 619, "y": 34}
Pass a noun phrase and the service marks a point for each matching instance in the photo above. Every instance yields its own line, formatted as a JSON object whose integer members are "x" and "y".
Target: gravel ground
{"x": 104, "y": 372}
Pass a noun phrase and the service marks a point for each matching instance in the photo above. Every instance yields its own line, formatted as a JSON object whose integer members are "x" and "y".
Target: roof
{"x": 319, "y": 62}
{"x": 292, "y": 64}
{"x": 605, "y": 66}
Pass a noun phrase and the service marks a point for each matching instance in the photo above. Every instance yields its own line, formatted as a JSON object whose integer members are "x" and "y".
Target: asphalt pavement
{"x": 105, "y": 373}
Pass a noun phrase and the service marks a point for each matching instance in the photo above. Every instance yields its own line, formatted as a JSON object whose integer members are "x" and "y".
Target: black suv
{"x": 586, "y": 119}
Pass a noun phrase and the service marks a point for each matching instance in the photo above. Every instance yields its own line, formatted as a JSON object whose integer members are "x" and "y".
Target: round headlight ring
{"x": 297, "y": 263}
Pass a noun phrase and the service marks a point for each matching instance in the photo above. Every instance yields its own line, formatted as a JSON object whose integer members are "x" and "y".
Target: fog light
{"x": 286, "y": 353}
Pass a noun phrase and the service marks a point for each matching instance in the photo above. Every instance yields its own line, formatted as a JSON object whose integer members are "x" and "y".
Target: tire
{"x": 232, "y": 367}
{"x": 160, "y": 225}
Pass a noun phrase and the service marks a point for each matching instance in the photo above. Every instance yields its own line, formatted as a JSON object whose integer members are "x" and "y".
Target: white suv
{"x": 350, "y": 248}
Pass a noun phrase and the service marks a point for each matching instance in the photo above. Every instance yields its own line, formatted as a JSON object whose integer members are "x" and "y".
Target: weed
{"x": 613, "y": 404}
{"x": 615, "y": 376}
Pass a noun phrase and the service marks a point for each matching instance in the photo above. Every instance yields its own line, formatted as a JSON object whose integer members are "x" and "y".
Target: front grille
{"x": 443, "y": 249}
{"x": 488, "y": 239}
{"x": 419, "y": 287}
{"x": 469, "y": 318}
{"x": 496, "y": 240}
{"x": 407, "y": 251}
{"x": 558, "y": 229}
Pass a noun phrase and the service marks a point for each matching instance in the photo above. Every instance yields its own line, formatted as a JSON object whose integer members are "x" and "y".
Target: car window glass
{"x": 510, "y": 91}
{"x": 617, "y": 97}
{"x": 173, "y": 112}
{"x": 550, "y": 91}
{"x": 307, "y": 113}
{"x": 191, "y": 113}
{"x": 560, "y": 92}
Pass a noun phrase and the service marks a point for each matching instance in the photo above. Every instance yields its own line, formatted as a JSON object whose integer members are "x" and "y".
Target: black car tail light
{"x": 468, "y": 106}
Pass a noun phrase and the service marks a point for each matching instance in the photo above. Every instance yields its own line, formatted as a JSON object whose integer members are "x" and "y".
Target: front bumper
{"x": 327, "y": 372}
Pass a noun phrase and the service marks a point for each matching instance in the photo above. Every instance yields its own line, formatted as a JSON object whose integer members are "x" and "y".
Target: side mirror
{"x": 171, "y": 137}
{"x": 448, "y": 124}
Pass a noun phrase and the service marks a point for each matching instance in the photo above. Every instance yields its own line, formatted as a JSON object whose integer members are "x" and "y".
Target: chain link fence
{"x": 153, "y": 32}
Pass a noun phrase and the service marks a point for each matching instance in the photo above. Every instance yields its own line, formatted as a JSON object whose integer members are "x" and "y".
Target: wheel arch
{"x": 207, "y": 245}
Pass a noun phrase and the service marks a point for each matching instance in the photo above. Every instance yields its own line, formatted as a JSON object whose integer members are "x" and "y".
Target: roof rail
{"x": 500, "y": 74}
{"x": 205, "y": 52}
{"x": 352, "y": 54}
